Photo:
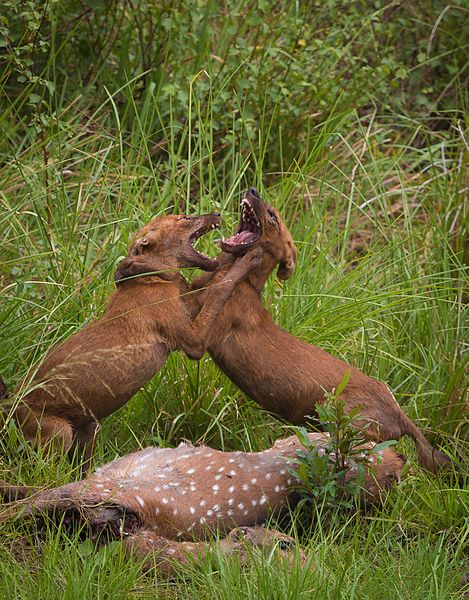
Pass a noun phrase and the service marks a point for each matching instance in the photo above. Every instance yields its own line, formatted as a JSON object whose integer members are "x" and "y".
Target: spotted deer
{"x": 167, "y": 502}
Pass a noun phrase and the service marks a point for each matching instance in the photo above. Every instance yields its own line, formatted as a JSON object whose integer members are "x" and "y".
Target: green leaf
{"x": 302, "y": 435}
{"x": 342, "y": 384}
{"x": 383, "y": 445}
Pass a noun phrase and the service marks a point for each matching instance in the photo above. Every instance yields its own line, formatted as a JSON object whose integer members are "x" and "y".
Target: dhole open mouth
{"x": 213, "y": 223}
{"x": 248, "y": 232}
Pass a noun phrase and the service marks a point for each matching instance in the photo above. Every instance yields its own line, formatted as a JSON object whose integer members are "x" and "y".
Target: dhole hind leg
{"x": 53, "y": 433}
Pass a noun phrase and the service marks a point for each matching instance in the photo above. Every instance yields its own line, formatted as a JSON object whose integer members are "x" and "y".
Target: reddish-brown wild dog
{"x": 286, "y": 375}
{"x": 97, "y": 370}
{"x": 165, "y": 500}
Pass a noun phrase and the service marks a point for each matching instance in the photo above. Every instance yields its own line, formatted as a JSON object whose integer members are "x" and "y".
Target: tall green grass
{"x": 376, "y": 204}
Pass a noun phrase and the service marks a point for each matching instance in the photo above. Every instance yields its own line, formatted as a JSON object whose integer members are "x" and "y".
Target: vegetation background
{"x": 350, "y": 117}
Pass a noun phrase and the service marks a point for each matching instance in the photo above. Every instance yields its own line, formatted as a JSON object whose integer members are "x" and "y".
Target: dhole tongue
{"x": 241, "y": 238}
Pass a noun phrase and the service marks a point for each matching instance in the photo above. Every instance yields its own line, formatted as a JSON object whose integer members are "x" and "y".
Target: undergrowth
{"x": 351, "y": 118}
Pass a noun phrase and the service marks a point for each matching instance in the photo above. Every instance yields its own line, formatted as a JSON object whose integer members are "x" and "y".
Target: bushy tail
{"x": 429, "y": 457}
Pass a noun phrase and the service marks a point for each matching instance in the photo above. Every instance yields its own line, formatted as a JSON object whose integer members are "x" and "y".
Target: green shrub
{"x": 325, "y": 490}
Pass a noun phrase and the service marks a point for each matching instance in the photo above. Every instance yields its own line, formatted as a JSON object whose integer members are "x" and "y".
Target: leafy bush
{"x": 284, "y": 66}
{"x": 331, "y": 474}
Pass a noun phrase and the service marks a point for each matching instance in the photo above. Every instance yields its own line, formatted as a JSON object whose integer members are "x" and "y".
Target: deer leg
{"x": 164, "y": 554}
{"x": 10, "y": 493}
{"x": 64, "y": 498}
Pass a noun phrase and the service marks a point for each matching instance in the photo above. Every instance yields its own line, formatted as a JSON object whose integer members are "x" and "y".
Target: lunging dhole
{"x": 285, "y": 375}
{"x": 97, "y": 370}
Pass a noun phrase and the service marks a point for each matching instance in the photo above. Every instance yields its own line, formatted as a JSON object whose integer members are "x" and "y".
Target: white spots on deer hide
{"x": 233, "y": 473}
{"x": 253, "y": 480}
{"x": 231, "y": 489}
{"x": 191, "y": 510}
{"x": 140, "y": 501}
{"x": 241, "y": 506}
{"x": 245, "y": 487}
{"x": 190, "y": 471}
{"x": 263, "y": 500}
{"x": 164, "y": 500}
{"x": 215, "y": 487}
{"x": 218, "y": 477}
{"x": 203, "y": 503}
{"x": 268, "y": 475}
{"x": 171, "y": 485}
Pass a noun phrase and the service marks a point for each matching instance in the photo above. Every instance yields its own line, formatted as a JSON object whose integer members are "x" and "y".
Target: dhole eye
{"x": 273, "y": 216}
{"x": 184, "y": 218}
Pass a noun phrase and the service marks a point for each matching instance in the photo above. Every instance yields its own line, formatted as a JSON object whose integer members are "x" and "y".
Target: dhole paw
{"x": 251, "y": 260}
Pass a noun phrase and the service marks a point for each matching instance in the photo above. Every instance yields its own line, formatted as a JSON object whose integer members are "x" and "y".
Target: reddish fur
{"x": 97, "y": 370}
{"x": 285, "y": 375}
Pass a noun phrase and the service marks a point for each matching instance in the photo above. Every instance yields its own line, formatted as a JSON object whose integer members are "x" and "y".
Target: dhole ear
{"x": 287, "y": 265}
{"x": 139, "y": 245}
{"x": 133, "y": 266}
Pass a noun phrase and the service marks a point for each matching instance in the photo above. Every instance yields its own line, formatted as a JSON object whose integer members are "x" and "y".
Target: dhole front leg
{"x": 194, "y": 337}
